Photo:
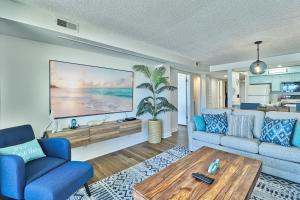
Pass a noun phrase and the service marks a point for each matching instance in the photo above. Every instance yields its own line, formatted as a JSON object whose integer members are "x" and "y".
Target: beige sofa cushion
{"x": 216, "y": 111}
{"x": 280, "y": 152}
{"x": 243, "y": 144}
{"x": 283, "y": 115}
{"x": 259, "y": 118}
{"x": 207, "y": 137}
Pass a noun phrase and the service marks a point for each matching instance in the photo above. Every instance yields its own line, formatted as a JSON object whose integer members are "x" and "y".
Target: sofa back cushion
{"x": 278, "y": 131}
{"x": 283, "y": 115}
{"x": 199, "y": 122}
{"x": 296, "y": 135}
{"x": 241, "y": 126}
{"x": 216, "y": 111}
{"x": 16, "y": 135}
{"x": 259, "y": 117}
{"x": 216, "y": 123}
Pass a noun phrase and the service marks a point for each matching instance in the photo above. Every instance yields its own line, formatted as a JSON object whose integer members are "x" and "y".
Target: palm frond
{"x": 162, "y": 80}
{"x": 157, "y": 75}
{"x": 164, "y": 110}
{"x": 162, "y": 99}
{"x": 165, "y": 104}
{"x": 144, "y": 101}
{"x": 145, "y": 107}
{"x": 142, "y": 68}
{"x": 159, "y": 71}
{"x": 146, "y": 86}
{"x": 166, "y": 87}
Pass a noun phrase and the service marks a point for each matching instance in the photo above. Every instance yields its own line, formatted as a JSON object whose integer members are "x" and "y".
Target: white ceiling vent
{"x": 67, "y": 24}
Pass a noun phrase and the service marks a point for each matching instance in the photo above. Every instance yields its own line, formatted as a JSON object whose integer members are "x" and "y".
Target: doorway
{"x": 184, "y": 98}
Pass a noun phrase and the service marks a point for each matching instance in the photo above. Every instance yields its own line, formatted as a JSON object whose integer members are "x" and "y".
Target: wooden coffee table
{"x": 235, "y": 180}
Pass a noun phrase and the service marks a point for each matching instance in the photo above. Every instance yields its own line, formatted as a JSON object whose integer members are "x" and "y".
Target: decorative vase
{"x": 154, "y": 131}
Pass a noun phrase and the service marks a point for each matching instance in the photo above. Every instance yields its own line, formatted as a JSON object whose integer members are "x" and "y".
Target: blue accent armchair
{"x": 54, "y": 177}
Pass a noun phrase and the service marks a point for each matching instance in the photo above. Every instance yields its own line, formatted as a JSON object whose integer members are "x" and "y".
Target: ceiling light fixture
{"x": 258, "y": 67}
{"x": 278, "y": 70}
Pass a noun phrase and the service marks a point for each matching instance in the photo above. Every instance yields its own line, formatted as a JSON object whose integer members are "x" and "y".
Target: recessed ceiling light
{"x": 279, "y": 65}
{"x": 225, "y": 76}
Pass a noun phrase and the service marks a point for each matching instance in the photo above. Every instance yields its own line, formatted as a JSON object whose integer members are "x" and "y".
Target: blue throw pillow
{"x": 199, "y": 122}
{"x": 28, "y": 151}
{"x": 216, "y": 123}
{"x": 278, "y": 131}
{"x": 296, "y": 136}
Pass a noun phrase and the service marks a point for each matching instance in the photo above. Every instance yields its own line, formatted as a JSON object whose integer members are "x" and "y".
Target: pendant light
{"x": 258, "y": 67}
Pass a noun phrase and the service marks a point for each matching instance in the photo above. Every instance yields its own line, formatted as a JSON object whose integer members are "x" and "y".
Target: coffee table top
{"x": 235, "y": 179}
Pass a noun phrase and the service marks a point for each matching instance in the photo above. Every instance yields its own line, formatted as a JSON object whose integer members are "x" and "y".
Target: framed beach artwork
{"x": 81, "y": 90}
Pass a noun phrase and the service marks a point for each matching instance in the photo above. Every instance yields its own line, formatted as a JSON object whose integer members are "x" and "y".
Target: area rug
{"x": 119, "y": 186}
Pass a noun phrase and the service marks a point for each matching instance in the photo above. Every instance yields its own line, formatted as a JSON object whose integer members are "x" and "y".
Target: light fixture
{"x": 278, "y": 70}
{"x": 258, "y": 67}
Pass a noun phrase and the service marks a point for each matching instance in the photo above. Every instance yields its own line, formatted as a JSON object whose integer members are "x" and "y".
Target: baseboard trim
{"x": 166, "y": 135}
{"x": 174, "y": 129}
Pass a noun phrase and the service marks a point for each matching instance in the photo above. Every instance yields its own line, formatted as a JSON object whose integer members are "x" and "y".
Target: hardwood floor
{"x": 111, "y": 163}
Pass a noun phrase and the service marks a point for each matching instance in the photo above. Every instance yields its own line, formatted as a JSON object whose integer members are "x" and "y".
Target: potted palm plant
{"x": 154, "y": 104}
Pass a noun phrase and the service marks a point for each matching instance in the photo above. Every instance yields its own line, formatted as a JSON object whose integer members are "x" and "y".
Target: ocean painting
{"x": 79, "y": 90}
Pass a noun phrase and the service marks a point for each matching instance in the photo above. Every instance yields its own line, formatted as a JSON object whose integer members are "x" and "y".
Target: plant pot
{"x": 154, "y": 131}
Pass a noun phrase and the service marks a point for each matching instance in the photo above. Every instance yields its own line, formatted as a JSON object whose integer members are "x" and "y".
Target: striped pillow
{"x": 241, "y": 126}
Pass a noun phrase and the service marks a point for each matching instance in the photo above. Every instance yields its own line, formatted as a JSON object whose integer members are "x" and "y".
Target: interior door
{"x": 184, "y": 94}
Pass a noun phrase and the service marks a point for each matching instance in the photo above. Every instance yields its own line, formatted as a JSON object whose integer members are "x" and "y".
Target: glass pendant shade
{"x": 258, "y": 67}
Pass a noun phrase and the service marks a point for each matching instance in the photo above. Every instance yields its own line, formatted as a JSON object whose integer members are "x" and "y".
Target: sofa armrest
{"x": 191, "y": 126}
{"x": 56, "y": 147}
{"x": 12, "y": 176}
{"x": 191, "y": 129}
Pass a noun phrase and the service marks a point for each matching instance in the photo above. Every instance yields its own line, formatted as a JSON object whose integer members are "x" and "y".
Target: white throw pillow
{"x": 241, "y": 126}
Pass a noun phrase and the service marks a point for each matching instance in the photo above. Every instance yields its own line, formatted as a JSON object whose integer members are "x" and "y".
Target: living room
{"x": 129, "y": 99}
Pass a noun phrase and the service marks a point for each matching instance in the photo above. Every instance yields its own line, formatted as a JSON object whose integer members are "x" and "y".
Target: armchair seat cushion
{"x": 60, "y": 183}
{"x": 37, "y": 168}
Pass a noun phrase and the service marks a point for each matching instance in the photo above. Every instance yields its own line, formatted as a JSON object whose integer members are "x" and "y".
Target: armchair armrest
{"x": 12, "y": 176}
{"x": 57, "y": 147}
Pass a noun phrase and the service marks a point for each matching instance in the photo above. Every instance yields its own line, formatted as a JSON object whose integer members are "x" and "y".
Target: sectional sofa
{"x": 277, "y": 160}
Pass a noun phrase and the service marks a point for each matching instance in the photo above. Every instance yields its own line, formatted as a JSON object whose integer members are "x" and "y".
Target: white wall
{"x": 203, "y": 91}
{"x": 236, "y": 88}
{"x": 174, "y": 99}
{"x": 42, "y": 18}
{"x": 212, "y": 92}
{"x": 215, "y": 92}
{"x": 182, "y": 99}
{"x": 196, "y": 96}
{"x": 24, "y": 89}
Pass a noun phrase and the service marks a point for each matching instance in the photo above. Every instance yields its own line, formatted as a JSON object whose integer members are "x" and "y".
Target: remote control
{"x": 203, "y": 178}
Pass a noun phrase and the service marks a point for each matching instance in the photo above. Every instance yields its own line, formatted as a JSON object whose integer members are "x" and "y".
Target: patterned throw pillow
{"x": 28, "y": 151}
{"x": 278, "y": 131}
{"x": 241, "y": 126}
{"x": 216, "y": 123}
{"x": 296, "y": 135}
{"x": 199, "y": 122}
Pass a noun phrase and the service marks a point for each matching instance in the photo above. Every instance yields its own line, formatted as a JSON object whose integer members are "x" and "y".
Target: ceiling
{"x": 210, "y": 31}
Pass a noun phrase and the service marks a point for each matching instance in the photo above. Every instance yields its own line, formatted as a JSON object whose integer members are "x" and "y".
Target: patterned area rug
{"x": 119, "y": 185}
